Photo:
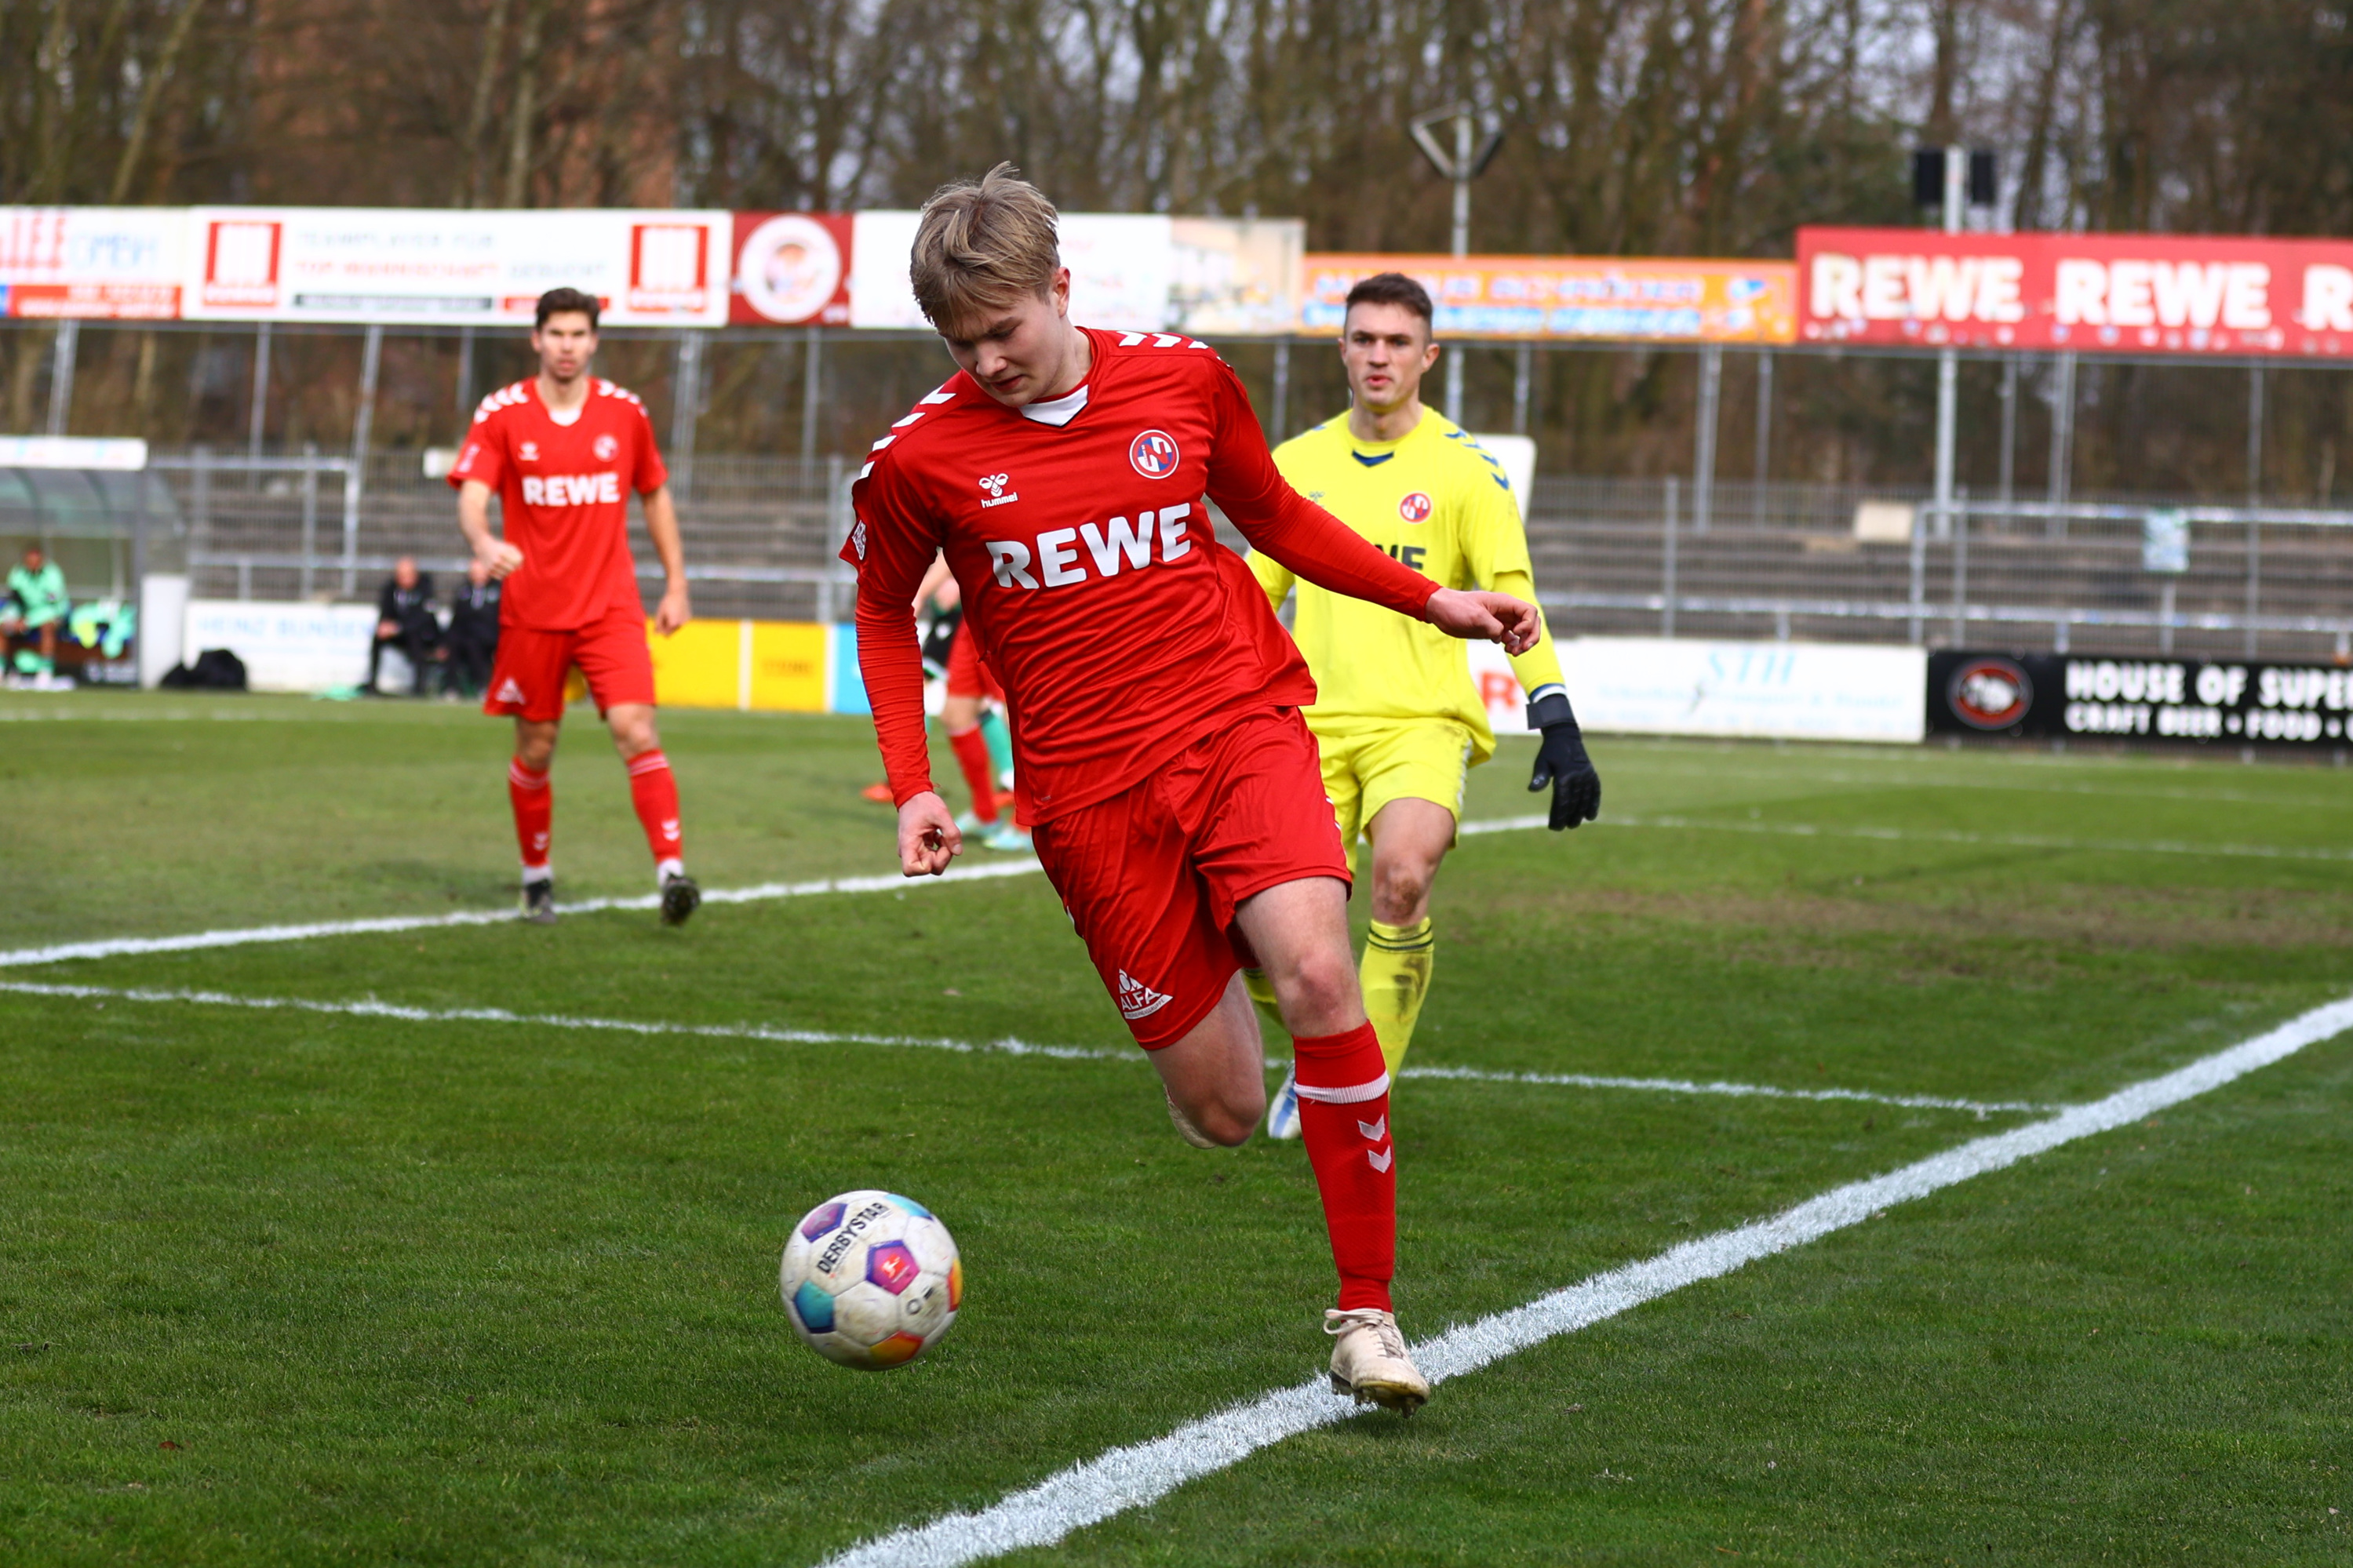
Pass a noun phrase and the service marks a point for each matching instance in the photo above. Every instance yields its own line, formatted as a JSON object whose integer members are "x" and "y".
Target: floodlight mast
{"x": 1466, "y": 163}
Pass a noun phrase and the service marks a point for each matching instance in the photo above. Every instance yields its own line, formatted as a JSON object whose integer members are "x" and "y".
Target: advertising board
{"x": 791, "y": 269}
{"x": 2193, "y": 702}
{"x": 120, "y": 264}
{"x": 1758, "y": 690}
{"x": 284, "y": 647}
{"x": 2138, "y": 293}
{"x": 453, "y": 266}
{"x": 1122, "y": 270}
{"x": 1581, "y": 298}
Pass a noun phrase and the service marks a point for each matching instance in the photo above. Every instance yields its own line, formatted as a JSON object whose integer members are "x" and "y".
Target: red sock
{"x": 654, "y": 793}
{"x": 971, "y": 749}
{"x": 535, "y": 810}
{"x": 1344, "y": 1115}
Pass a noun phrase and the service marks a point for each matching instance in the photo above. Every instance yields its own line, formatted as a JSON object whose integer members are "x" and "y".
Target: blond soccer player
{"x": 1396, "y": 717}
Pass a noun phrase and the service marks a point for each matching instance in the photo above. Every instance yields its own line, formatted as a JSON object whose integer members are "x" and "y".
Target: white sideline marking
{"x": 369, "y": 1007}
{"x": 1983, "y": 1107}
{"x": 116, "y": 947}
{"x": 1934, "y": 835}
{"x": 1123, "y": 1478}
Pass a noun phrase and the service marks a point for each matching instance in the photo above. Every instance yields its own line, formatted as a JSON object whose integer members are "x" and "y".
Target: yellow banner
{"x": 1578, "y": 298}
{"x": 771, "y": 667}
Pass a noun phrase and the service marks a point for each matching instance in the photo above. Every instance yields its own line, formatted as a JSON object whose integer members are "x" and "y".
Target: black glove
{"x": 1561, "y": 761}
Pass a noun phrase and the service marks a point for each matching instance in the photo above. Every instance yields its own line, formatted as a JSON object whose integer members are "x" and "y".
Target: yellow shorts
{"x": 1411, "y": 759}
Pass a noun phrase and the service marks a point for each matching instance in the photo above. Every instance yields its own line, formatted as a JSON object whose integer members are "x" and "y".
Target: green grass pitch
{"x": 286, "y": 1286}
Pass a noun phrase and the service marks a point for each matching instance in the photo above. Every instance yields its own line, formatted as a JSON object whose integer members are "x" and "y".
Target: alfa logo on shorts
{"x": 1137, "y": 1000}
{"x": 509, "y": 691}
{"x": 1415, "y": 508}
{"x": 1153, "y": 454}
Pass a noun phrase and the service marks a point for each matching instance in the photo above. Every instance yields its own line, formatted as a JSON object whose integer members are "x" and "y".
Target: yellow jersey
{"x": 1435, "y": 501}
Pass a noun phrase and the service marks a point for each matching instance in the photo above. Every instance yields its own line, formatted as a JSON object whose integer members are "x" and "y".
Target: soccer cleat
{"x": 680, "y": 897}
{"x": 539, "y": 902}
{"x": 1371, "y": 1364}
{"x": 1185, "y": 1128}
{"x": 969, "y": 824}
{"x": 1283, "y": 1116}
{"x": 1008, "y": 838}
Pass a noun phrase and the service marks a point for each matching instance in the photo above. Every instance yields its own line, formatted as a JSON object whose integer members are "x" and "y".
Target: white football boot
{"x": 1283, "y": 1116}
{"x": 1371, "y": 1363}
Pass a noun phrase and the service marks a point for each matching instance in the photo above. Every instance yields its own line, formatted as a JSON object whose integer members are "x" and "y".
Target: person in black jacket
{"x": 404, "y": 620}
{"x": 473, "y": 630}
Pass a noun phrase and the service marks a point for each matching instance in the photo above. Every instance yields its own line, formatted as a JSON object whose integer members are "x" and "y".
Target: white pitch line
{"x": 116, "y": 947}
{"x": 370, "y": 1008}
{"x": 1983, "y": 1107}
{"x": 1134, "y": 1476}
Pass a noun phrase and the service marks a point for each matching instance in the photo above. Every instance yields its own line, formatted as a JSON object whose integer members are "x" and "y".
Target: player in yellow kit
{"x": 1397, "y": 717}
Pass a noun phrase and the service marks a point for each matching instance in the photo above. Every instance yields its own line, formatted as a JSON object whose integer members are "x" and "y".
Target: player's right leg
{"x": 527, "y": 682}
{"x": 1345, "y": 790}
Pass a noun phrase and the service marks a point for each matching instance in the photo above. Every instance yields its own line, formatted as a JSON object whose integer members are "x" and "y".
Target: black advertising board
{"x": 2195, "y": 701}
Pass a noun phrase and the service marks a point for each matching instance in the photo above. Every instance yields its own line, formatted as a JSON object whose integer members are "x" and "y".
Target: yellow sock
{"x": 1261, "y": 992}
{"x": 1395, "y": 977}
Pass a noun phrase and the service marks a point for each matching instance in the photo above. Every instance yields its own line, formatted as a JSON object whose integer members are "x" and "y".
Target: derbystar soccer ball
{"x": 872, "y": 1280}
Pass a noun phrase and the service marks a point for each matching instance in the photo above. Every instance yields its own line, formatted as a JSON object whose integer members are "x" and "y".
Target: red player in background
{"x": 1162, "y": 765}
{"x": 563, "y": 450}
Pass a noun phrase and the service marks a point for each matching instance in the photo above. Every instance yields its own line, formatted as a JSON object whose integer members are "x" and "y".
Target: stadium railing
{"x": 1615, "y": 556}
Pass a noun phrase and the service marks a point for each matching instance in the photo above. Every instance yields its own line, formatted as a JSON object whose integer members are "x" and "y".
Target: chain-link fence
{"x": 1612, "y": 556}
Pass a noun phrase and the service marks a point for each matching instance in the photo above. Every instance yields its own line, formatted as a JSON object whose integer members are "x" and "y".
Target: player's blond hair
{"x": 982, "y": 244}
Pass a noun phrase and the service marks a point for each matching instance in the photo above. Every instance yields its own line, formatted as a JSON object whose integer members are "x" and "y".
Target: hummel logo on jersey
{"x": 527, "y": 453}
{"x": 509, "y": 692}
{"x": 572, "y": 490}
{"x": 995, "y": 485}
{"x": 1113, "y": 546}
{"x": 1137, "y": 1000}
{"x": 858, "y": 538}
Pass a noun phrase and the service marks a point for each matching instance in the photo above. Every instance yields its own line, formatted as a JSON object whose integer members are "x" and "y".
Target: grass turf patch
{"x": 458, "y": 1292}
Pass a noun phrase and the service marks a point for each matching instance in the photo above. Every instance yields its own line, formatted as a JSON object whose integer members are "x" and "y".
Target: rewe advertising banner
{"x": 453, "y": 267}
{"x": 1587, "y": 297}
{"x": 93, "y": 263}
{"x": 2124, "y": 293}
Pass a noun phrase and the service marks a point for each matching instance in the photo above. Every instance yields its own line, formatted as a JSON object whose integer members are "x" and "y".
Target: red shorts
{"x": 968, "y": 674}
{"x": 1152, "y": 874}
{"x": 527, "y": 676}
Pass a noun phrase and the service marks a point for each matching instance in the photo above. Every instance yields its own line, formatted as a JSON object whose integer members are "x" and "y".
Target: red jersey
{"x": 564, "y": 497}
{"x": 1078, "y": 529}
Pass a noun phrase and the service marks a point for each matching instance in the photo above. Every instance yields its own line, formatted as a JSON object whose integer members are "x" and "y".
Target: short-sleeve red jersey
{"x": 1120, "y": 630}
{"x": 564, "y": 496}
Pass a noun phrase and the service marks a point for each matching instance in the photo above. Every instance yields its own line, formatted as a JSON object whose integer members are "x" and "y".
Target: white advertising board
{"x": 284, "y": 647}
{"x": 1123, "y": 270}
{"x": 455, "y": 267}
{"x": 1758, "y": 690}
{"x": 95, "y": 263}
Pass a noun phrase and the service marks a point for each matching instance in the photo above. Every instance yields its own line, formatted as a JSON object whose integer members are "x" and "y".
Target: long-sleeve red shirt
{"x": 1120, "y": 630}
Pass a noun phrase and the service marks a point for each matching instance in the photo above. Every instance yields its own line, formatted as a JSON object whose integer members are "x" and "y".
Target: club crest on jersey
{"x": 1415, "y": 508}
{"x": 1137, "y": 1000}
{"x": 527, "y": 453}
{"x": 995, "y": 485}
{"x": 605, "y": 447}
{"x": 1153, "y": 454}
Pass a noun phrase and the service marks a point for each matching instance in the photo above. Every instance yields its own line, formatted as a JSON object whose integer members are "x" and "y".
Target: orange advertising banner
{"x": 1602, "y": 298}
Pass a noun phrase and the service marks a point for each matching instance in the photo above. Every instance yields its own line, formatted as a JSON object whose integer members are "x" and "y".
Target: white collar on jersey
{"x": 1057, "y": 411}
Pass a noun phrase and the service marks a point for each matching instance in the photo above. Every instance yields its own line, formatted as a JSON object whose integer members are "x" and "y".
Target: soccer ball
{"x": 872, "y": 1280}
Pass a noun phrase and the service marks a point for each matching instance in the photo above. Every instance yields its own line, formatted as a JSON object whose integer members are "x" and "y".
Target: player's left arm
{"x": 1320, "y": 548}
{"x": 662, "y": 527}
{"x": 1495, "y": 549}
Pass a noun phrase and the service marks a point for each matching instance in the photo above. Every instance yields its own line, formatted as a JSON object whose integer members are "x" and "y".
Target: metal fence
{"x": 1612, "y": 556}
